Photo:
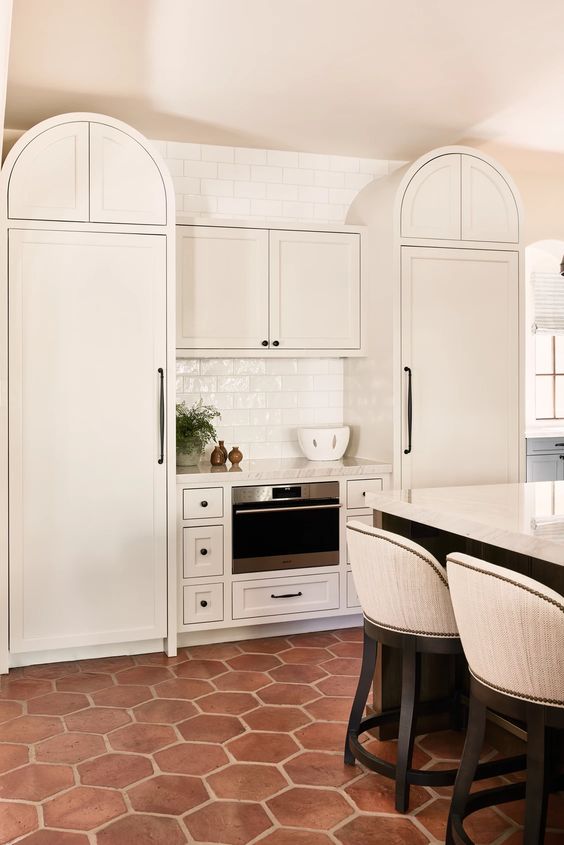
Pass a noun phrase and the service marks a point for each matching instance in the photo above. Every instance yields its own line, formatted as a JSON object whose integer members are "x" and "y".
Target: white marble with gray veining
{"x": 289, "y": 469}
{"x": 524, "y": 518}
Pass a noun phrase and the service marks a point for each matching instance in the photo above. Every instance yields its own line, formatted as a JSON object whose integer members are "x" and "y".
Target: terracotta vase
{"x": 223, "y": 449}
{"x": 235, "y": 455}
{"x": 217, "y": 457}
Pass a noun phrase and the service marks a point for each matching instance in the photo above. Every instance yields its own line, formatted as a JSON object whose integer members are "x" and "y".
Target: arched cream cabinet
{"x": 87, "y": 365}
{"x": 440, "y": 389}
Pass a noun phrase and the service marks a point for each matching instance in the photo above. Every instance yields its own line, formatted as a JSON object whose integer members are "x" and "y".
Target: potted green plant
{"x": 194, "y": 430}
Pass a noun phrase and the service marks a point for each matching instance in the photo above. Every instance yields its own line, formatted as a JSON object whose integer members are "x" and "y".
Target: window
{"x": 549, "y": 377}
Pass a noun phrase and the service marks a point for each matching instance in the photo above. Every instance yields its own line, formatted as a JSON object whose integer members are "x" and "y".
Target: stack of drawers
{"x": 202, "y": 546}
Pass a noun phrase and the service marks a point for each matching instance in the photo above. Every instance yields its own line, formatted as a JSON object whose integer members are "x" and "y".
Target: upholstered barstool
{"x": 512, "y": 632}
{"x": 404, "y": 595}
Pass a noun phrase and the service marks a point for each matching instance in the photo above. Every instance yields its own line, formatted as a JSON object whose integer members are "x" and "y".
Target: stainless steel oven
{"x": 286, "y": 526}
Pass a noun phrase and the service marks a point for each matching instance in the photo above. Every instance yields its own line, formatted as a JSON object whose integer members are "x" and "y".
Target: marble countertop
{"x": 285, "y": 469}
{"x": 524, "y": 518}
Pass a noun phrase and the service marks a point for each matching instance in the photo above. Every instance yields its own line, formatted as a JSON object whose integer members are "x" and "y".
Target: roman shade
{"x": 549, "y": 303}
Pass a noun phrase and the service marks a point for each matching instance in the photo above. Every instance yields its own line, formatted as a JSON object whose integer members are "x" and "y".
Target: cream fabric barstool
{"x": 512, "y": 632}
{"x": 404, "y": 595}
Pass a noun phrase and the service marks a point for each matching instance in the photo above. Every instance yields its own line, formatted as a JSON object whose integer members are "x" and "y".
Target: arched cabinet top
{"x": 456, "y": 194}
{"x": 86, "y": 168}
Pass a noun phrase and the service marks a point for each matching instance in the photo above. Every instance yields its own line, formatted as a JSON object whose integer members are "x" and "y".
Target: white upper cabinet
{"x": 125, "y": 185}
{"x": 222, "y": 288}
{"x": 50, "y": 181}
{"x": 431, "y": 203}
{"x": 489, "y": 211}
{"x": 314, "y": 290}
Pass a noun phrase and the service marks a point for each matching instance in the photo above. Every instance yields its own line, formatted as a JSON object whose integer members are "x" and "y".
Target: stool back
{"x": 511, "y": 629}
{"x": 399, "y": 584}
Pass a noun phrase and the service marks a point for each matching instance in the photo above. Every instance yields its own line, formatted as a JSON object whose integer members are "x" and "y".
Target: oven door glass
{"x": 269, "y": 536}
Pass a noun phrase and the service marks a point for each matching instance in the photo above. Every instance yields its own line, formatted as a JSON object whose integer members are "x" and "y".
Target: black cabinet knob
{"x": 204, "y": 504}
{"x": 275, "y": 343}
{"x": 203, "y": 552}
{"x": 265, "y": 343}
{"x": 203, "y": 603}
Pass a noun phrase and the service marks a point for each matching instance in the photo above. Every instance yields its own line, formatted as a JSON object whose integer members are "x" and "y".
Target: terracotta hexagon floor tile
{"x": 247, "y": 782}
{"x": 187, "y": 688}
{"x": 233, "y": 703}
{"x": 30, "y": 728}
{"x": 10, "y": 710}
{"x": 97, "y": 720}
{"x": 324, "y": 639}
{"x": 259, "y": 747}
{"x": 51, "y": 671}
{"x": 16, "y": 820}
{"x": 12, "y": 756}
{"x": 122, "y": 696}
{"x": 35, "y": 782}
{"x": 213, "y": 651}
{"x": 22, "y": 689}
{"x": 254, "y": 662}
{"x": 287, "y": 694}
{"x": 242, "y": 681}
{"x": 374, "y": 793}
{"x": 115, "y": 770}
{"x": 323, "y": 736}
{"x": 388, "y": 751}
{"x": 343, "y": 666}
{"x": 83, "y": 808}
{"x": 447, "y": 745}
{"x": 106, "y": 664}
{"x": 170, "y": 795}
{"x": 47, "y": 836}
{"x": 283, "y": 719}
{"x": 516, "y": 838}
{"x": 350, "y": 635}
{"x": 346, "y": 649}
{"x": 200, "y": 669}
{"x": 320, "y": 809}
{"x": 344, "y": 685}
{"x": 57, "y": 703}
{"x": 366, "y": 830}
{"x": 70, "y": 748}
{"x": 320, "y": 768}
{"x": 142, "y": 738}
{"x": 190, "y": 758}
{"x": 84, "y": 682}
{"x": 232, "y": 822}
{"x": 297, "y": 673}
{"x": 554, "y": 817}
{"x": 268, "y": 645}
{"x": 164, "y": 711}
{"x": 330, "y": 709}
{"x": 209, "y": 727}
{"x": 144, "y": 675}
{"x": 292, "y": 836}
{"x": 306, "y": 655}
{"x": 483, "y": 827}
{"x": 159, "y": 658}
{"x": 142, "y": 830}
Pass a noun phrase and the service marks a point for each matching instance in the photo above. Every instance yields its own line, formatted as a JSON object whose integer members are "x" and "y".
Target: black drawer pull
{"x": 276, "y": 343}
{"x": 204, "y": 504}
{"x": 265, "y": 343}
{"x": 203, "y": 552}
{"x": 558, "y": 444}
{"x": 286, "y": 595}
{"x": 203, "y": 603}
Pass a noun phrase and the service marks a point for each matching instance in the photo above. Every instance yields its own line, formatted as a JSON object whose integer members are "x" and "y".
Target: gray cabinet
{"x": 545, "y": 459}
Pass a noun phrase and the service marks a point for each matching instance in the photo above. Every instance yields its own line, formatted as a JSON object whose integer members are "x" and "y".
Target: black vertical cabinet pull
{"x": 161, "y": 413}
{"x": 409, "y": 410}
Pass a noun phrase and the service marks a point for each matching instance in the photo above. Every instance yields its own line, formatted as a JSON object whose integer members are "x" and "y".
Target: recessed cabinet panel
{"x": 202, "y": 551}
{"x": 314, "y": 290}
{"x": 489, "y": 212}
{"x": 125, "y": 184}
{"x": 357, "y": 490}
{"x": 222, "y": 288}
{"x": 50, "y": 179}
{"x": 545, "y": 468}
{"x": 279, "y": 596}
{"x": 431, "y": 203}
{"x": 203, "y": 503}
{"x": 202, "y": 603}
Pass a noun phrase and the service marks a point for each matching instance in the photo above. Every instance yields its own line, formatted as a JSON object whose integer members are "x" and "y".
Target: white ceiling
{"x": 361, "y": 77}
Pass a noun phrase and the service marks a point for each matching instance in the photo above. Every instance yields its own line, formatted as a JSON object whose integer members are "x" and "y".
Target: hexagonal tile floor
{"x": 230, "y": 744}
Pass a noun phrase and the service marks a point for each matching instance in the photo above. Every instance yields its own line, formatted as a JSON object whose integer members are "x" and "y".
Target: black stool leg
{"x": 369, "y": 652}
{"x": 538, "y": 777}
{"x": 411, "y": 676}
{"x": 468, "y": 764}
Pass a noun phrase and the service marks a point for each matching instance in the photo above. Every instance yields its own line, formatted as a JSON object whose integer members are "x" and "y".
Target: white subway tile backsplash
{"x": 217, "y": 187}
{"x": 176, "y": 167}
{"x": 244, "y": 155}
{"x": 216, "y": 366}
{"x": 346, "y": 163}
{"x": 266, "y": 383}
{"x": 328, "y": 382}
{"x": 329, "y": 179}
{"x": 250, "y": 433}
{"x": 343, "y": 196}
{"x": 313, "y": 366}
{"x": 250, "y": 190}
{"x": 263, "y": 173}
{"x": 314, "y": 160}
{"x": 234, "y": 171}
{"x": 235, "y": 384}
{"x": 282, "y": 400}
{"x": 298, "y": 210}
{"x": 264, "y": 451}
{"x": 312, "y": 399}
{"x": 266, "y": 208}
{"x": 282, "y": 158}
{"x": 266, "y": 416}
{"x": 187, "y": 185}
{"x": 276, "y": 191}
{"x": 235, "y": 207}
{"x": 201, "y": 169}
{"x": 179, "y": 149}
{"x": 235, "y": 418}
{"x": 199, "y": 205}
{"x": 249, "y": 366}
{"x": 249, "y": 400}
{"x": 299, "y": 176}
{"x": 186, "y": 366}
{"x": 200, "y": 384}
{"x": 357, "y": 181}
{"x": 211, "y": 152}
{"x": 302, "y": 383}
{"x": 282, "y": 366}
{"x": 312, "y": 194}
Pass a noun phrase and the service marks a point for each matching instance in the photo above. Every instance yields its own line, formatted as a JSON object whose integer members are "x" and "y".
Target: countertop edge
{"x": 259, "y": 470}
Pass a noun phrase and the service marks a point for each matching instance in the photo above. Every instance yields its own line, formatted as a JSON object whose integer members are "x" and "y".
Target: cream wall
{"x": 5, "y": 29}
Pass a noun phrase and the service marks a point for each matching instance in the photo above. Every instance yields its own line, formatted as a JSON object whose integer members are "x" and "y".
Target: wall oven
{"x": 285, "y": 527}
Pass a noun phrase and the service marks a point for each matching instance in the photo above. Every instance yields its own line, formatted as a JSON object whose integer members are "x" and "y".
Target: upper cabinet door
{"x": 125, "y": 184}
{"x": 50, "y": 181}
{"x": 489, "y": 211}
{"x": 314, "y": 290}
{"x": 222, "y": 288}
{"x": 431, "y": 203}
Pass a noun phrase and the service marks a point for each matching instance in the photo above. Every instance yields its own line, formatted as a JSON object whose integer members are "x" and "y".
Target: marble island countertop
{"x": 524, "y": 518}
{"x": 284, "y": 469}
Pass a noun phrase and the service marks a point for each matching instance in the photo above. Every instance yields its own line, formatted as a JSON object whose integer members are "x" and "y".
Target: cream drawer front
{"x": 279, "y": 596}
{"x": 352, "y": 595}
{"x": 203, "y": 503}
{"x": 357, "y": 489}
{"x": 202, "y": 603}
{"x": 366, "y": 518}
{"x": 202, "y": 551}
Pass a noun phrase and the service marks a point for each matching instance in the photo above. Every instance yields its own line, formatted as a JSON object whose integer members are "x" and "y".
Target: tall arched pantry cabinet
{"x": 87, "y": 367}
{"x": 440, "y": 389}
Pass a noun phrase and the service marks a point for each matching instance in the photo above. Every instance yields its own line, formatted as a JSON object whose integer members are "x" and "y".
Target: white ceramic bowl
{"x": 324, "y": 443}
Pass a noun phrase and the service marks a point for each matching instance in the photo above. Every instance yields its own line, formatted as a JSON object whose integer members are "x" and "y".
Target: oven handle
{"x": 280, "y": 510}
